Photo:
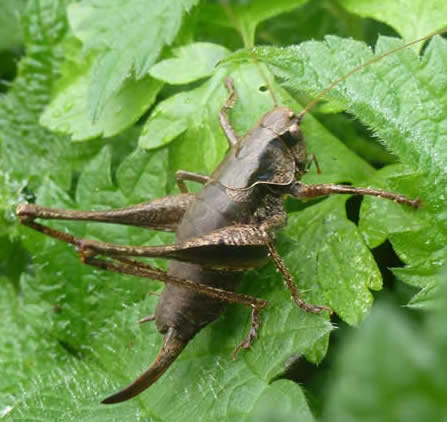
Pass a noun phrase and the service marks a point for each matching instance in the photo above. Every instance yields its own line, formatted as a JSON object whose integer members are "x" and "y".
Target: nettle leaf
{"x": 128, "y": 38}
{"x": 331, "y": 261}
{"x": 21, "y": 136}
{"x": 416, "y": 20}
{"x": 68, "y": 111}
{"x": 418, "y": 236}
{"x": 25, "y": 349}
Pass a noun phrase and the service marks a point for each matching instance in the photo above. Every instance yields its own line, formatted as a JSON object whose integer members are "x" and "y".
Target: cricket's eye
{"x": 295, "y": 131}
{"x": 293, "y": 135}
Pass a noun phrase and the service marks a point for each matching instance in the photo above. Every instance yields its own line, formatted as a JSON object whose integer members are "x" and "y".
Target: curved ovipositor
{"x": 172, "y": 347}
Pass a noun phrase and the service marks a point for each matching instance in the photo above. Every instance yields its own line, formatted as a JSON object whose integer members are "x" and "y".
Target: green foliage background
{"x": 103, "y": 100}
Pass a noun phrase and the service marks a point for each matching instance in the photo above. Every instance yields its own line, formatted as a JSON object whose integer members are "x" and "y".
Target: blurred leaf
{"x": 391, "y": 370}
{"x": 128, "y": 39}
{"x": 412, "y": 19}
{"x": 315, "y": 19}
{"x": 245, "y": 16}
{"x": 10, "y": 29}
{"x": 192, "y": 62}
{"x": 26, "y": 350}
{"x": 21, "y": 137}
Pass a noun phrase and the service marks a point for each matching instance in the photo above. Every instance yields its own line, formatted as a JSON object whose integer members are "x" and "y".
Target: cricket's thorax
{"x": 264, "y": 155}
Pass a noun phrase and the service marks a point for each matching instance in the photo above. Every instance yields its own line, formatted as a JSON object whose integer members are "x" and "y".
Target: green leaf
{"x": 330, "y": 260}
{"x": 194, "y": 115}
{"x": 246, "y": 16}
{"x": 128, "y": 40}
{"x": 413, "y": 19}
{"x": 21, "y": 136}
{"x": 68, "y": 111}
{"x": 192, "y": 62}
{"x": 418, "y": 236}
{"x": 83, "y": 319}
{"x": 10, "y": 30}
{"x": 386, "y": 372}
{"x": 26, "y": 350}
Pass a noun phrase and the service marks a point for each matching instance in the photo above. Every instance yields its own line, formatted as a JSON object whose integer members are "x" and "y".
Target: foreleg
{"x": 302, "y": 191}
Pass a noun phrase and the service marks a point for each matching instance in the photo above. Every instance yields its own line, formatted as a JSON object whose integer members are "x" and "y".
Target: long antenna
{"x": 360, "y": 67}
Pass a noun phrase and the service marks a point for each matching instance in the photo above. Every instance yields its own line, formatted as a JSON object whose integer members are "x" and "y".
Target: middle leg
{"x": 182, "y": 175}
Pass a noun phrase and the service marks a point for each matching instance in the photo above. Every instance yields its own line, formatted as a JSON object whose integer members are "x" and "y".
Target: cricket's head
{"x": 284, "y": 123}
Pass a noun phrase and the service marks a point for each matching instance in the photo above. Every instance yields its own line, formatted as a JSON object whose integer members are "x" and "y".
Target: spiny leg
{"x": 159, "y": 214}
{"x": 252, "y": 333}
{"x": 148, "y": 318}
{"x": 137, "y": 268}
{"x": 140, "y": 269}
{"x": 87, "y": 251}
{"x": 296, "y": 295}
{"x": 313, "y": 159}
{"x": 126, "y": 266}
{"x": 302, "y": 191}
{"x": 217, "y": 249}
{"x": 190, "y": 251}
{"x": 182, "y": 175}
{"x": 229, "y": 131}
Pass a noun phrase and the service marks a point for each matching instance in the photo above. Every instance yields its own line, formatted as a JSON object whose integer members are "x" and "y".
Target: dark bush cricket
{"x": 223, "y": 230}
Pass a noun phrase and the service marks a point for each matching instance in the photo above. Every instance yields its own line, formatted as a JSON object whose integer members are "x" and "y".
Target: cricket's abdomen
{"x": 185, "y": 310}
{"x": 188, "y": 311}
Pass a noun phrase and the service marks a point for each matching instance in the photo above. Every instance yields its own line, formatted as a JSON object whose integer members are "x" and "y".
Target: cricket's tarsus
{"x": 221, "y": 231}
